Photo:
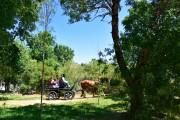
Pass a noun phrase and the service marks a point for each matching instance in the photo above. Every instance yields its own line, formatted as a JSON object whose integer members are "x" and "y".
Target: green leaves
{"x": 63, "y": 53}
{"x": 18, "y": 18}
{"x": 41, "y": 43}
{"x": 12, "y": 62}
{"x": 86, "y": 10}
{"x": 157, "y": 30}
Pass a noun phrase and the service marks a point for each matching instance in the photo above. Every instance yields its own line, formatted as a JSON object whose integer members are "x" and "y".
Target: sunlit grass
{"x": 8, "y": 96}
{"x": 88, "y": 109}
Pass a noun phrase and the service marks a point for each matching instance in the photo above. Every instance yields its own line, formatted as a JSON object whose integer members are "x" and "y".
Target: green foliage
{"x": 63, "y": 53}
{"x": 79, "y": 10}
{"x": 93, "y": 71}
{"x": 10, "y": 56}
{"x": 32, "y": 74}
{"x": 21, "y": 64}
{"x": 96, "y": 69}
{"x": 114, "y": 82}
{"x": 150, "y": 46}
{"x": 18, "y": 18}
{"x": 41, "y": 43}
{"x": 159, "y": 34}
{"x": 11, "y": 63}
{"x": 29, "y": 64}
{"x": 24, "y": 88}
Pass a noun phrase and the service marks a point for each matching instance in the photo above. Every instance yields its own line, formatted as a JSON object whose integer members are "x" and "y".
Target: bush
{"x": 25, "y": 89}
{"x": 115, "y": 82}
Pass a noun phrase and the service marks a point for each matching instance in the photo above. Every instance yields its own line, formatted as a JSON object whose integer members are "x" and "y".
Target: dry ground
{"x": 14, "y": 103}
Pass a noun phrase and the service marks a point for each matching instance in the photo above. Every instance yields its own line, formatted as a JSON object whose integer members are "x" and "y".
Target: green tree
{"x": 18, "y": 18}
{"x": 12, "y": 63}
{"x": 83, "y": 10}
{"x": 150, "y": 44}
{"x": 160, "y": 18}
{"x": 63, "y": 53}
{"x": 30, "y": 78}
{"x": 41, "y": 43}
{"x": 46, "y": 13}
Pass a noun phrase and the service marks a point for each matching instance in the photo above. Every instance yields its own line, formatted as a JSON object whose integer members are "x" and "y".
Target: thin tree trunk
{"x": 7, "y": 85}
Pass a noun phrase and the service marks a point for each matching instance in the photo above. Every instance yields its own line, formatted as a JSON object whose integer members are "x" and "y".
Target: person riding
{"x": 54, "y": 83}
{"x": 63, "y": 82}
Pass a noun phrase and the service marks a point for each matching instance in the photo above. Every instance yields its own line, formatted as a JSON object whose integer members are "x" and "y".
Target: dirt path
{"x": 16, "y": 103}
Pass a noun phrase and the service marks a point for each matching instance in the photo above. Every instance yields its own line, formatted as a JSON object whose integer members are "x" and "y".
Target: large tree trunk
{"x": 136, "y": 95}
{"x": 134, "y": 84}
{"x": 117, "y": 45}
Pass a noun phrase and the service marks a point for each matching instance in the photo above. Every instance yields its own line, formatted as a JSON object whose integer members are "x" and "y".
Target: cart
{"x": 56, "y": 93}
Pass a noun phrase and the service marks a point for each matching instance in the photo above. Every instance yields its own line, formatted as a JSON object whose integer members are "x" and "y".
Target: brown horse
{"x": 89, "y": 86}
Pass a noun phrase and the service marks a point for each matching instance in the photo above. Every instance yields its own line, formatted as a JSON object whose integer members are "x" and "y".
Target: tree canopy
{"x": 41, "y": 43}
{"x": 63, "y": 53}
{"x": 147, "y": 51}
{"x": 18, "y": 18}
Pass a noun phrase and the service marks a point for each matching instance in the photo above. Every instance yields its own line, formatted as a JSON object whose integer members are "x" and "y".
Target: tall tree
{"x": 134, "y": 77}
{"x": 150, "y": 43}
{"x": 46, "y": 13}
{"x": 18, "y": 18}
{"x": 83, "y": 10}
{"x": 11, "y": 64}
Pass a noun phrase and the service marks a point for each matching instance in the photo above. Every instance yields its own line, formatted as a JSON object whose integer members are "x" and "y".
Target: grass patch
{"x": 7, "y": 96}
{"x": 81, "y": 110}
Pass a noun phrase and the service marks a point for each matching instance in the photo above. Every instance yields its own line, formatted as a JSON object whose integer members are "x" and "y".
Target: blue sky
{"x": 85, "y": 38}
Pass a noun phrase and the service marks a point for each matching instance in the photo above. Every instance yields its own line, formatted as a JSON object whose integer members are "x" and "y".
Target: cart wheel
{"x": 52, "y": 96}
{"x": 69, "y": 95}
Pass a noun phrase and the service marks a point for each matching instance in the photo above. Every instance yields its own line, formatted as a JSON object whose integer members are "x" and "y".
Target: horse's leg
{"x": 93, "y": 91}
{"x": 83, "y": 93}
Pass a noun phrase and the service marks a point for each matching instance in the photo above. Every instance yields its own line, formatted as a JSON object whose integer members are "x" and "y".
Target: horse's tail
{"x": 79, "y": 84}
{"x": 76, "y": 82}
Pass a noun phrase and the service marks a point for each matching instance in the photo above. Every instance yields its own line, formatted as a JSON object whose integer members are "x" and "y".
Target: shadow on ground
{"x": 81, "y": 111}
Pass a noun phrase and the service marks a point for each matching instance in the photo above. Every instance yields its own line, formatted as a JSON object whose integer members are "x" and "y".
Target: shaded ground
{"x": 108, "y": 108}
{"x": 62, "y": 112}
{"x": 77, "y": 109}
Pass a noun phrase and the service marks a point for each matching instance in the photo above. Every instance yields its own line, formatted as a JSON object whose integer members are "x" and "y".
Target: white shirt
{"x": 63, "y": 79}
